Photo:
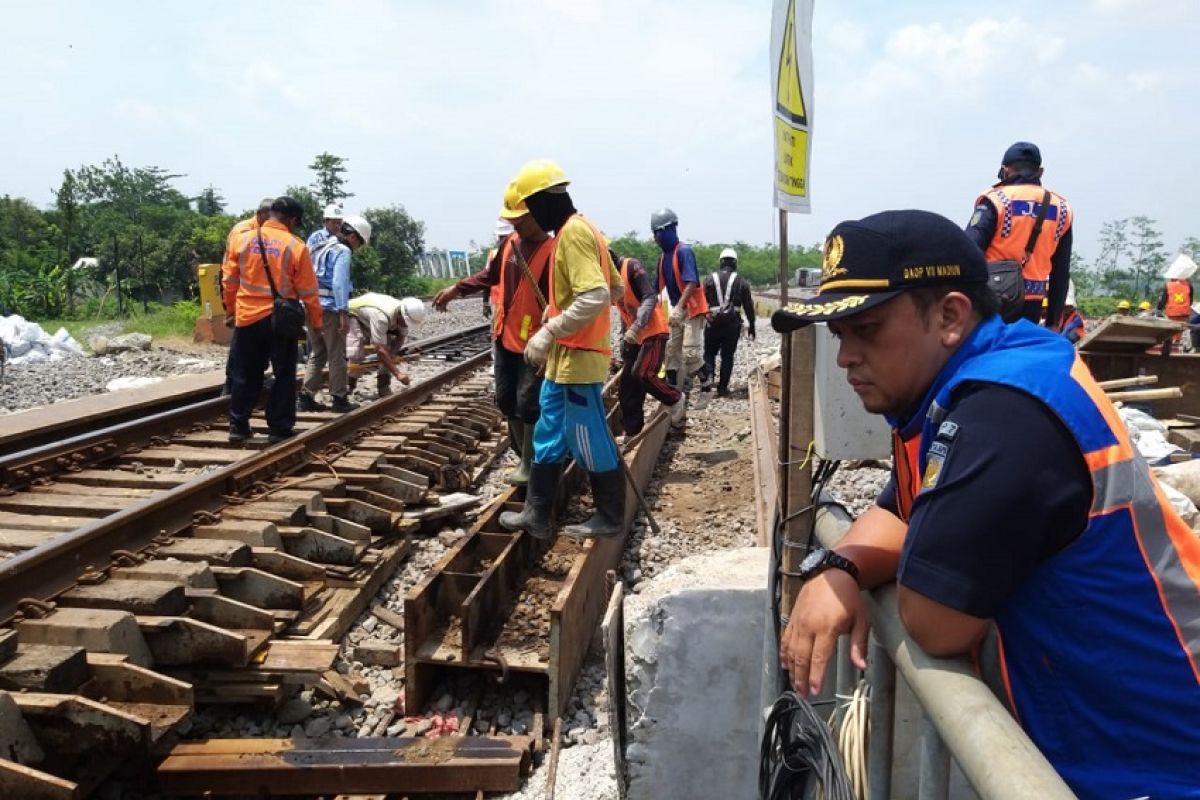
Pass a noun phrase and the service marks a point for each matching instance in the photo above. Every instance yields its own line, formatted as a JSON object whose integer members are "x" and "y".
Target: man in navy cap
{"x": 1017, "y": 503}
{"x": 1004, "y": 223}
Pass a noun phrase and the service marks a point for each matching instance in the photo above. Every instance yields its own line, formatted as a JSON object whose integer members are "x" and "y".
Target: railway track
{"x": 154, "y": 569}
{"x": 152, "y": 566}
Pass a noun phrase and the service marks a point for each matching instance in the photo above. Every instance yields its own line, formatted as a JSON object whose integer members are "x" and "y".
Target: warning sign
{"x": 791, "y": 84}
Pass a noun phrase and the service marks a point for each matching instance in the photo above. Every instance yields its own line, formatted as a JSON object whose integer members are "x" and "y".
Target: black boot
{"x": 540, "y": 492}
{"x": 608, "y": 495}
{"x": 383, "y": 384}
{"x": 342, "y": 405}
{"x": 306, "y": 402}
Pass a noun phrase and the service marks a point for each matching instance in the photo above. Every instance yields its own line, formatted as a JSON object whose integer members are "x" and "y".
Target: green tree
{"x": 1149, "y": 256}
{"x": 329, "y": 185}
{"x": 389, "y": 265}
{"x": 1114, "y": 277}
{"x": 1191, "y": 248}
{"x": 210, "y": 202}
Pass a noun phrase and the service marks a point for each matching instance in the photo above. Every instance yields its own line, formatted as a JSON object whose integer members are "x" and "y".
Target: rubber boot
{"x": 540, "y": 492}
{"x": 520, "y": 475}
{"x": 342, "y": 405}
{"x": 608, "y": 495}
{"x": 306, "y": 402}
{"x": 383, "y": 384}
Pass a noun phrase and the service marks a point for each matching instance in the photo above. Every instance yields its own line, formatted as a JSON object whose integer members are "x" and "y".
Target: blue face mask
{"x": 667, "y": 238}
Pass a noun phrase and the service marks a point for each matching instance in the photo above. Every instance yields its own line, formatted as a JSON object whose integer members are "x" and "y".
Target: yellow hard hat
{"x": 1144, "y": 305}
{"x": 1124, "y": 305}
{"x": 538, "y": 175}
{"x": 514, "y": 207}
{"x": 1045, "y": 302}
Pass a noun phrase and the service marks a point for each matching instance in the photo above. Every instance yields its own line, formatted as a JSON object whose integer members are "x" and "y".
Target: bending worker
{"x": 517, "y": 316}
{"x": 382, "y": 323}
{"x": 1016, "y": 503}
{"x": 250, "y": 290}
{"x": 331, "y": 262}
{"x": 677, "y": 273}
{"x": 643, "y": 344}
{"x": 728, "y": 296}
{"x": 574, "y": 347}
{"x": 1004, "y": 224}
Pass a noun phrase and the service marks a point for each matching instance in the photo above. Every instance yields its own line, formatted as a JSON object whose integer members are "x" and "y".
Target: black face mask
{"x": 550, "y": 209}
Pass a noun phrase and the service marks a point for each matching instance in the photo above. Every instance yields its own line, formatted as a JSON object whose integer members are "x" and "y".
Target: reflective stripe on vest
{"x": 630, "y": 304}
{"x": 697, "y": 304}
{"x": 1179, "y": 297}
{"x": 1105, "y": 634}
{"x": 594, "y": 336}
{"x": 1017, "y": 208}
{"x": 520, "y": 316}
{"x": 322, "y": 259}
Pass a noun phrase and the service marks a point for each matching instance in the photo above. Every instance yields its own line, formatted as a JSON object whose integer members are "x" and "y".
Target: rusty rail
{"x": 49, "y": 569}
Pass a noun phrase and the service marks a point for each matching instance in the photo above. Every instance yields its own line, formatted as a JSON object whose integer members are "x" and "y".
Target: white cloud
{"x": 1146, "y": 81}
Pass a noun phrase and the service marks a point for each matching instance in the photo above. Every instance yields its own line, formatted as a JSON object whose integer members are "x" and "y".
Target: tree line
{"x": 140, "y": 239}
{"x": 1131, "y": 261}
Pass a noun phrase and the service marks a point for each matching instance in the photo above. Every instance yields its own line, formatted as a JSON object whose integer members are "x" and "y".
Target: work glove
{"x": 631, "y": 335}
{"x": 678, "y": 316}
{"x": 537, "y": 350}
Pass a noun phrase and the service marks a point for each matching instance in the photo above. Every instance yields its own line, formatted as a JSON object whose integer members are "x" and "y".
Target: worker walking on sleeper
{"x": 574, "y": 347}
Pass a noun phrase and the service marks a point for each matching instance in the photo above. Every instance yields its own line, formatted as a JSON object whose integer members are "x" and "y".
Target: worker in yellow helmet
{"x": 1145, "y": 310}
{"x": 1123, "y": 308}
{"x": 574, "y": 346}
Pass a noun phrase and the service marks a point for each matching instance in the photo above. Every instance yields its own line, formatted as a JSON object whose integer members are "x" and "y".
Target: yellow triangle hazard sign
{"x": 789, "y": 97}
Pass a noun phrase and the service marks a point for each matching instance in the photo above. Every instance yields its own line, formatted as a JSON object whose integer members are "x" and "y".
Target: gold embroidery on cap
{"x": 831, "y": 307}
{"x": 830, "y": 264}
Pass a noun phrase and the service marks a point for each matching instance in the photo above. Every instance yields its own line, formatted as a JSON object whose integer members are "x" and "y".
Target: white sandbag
{"x": 64, "y": 342}
{"x": 1183, "y": 477}
{"x": 1182, "y": 504}
{"x": 1136, "y": 420}
{"x": 117, "y": 384}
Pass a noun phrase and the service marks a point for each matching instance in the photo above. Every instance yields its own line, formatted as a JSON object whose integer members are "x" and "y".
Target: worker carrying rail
{"x": 519, "y": 270}
{"x": 574, "y": 346}
{"x": 1016, "y": 502}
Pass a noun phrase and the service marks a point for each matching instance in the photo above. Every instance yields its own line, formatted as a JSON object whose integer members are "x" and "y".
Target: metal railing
{"x": 960, "y": 717}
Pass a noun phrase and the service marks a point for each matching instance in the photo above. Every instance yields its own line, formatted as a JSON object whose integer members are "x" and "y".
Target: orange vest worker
{"x": 1179, "y": 300}
{"x": 1017, "y": 209}
{"x": 518, "y": 317}
{"x": 629, "y": 305}
{"x": 595, "y": 335}
{"x": 697, "y": 304}
{"x": 244, "y": 283}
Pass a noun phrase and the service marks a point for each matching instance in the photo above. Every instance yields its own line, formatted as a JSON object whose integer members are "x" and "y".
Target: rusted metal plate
{"x": 225, "y": 767}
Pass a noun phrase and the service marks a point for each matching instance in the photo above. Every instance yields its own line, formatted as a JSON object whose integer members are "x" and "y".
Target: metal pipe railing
{"x": 995, "y": 755}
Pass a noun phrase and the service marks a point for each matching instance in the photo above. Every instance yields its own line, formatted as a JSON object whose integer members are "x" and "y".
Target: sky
{"x": 644, "y": 103}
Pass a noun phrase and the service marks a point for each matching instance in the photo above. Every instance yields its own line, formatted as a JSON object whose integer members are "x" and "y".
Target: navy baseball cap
{"x": 1022, "y": 151}
{"x": 869, "y": 261}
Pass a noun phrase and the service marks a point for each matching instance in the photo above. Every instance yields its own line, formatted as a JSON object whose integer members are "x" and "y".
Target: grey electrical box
{"x": 843, "y": 429}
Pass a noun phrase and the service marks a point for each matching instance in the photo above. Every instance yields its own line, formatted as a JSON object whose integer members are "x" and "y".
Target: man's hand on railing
{"x": 827, "y": 606}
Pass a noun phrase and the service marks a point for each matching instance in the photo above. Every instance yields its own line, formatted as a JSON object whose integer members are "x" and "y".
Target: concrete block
{"x": 693, "y": 674}
{"x": 17, "y": 742}
{"x": 99, "y": 630}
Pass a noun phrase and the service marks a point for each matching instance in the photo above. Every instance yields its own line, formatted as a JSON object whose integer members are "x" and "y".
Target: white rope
{"x": 853, "y": 735}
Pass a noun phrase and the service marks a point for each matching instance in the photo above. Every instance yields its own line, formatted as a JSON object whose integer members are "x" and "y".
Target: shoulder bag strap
{"x": 1037, "y": 227}
{"x": 262, "y": 249}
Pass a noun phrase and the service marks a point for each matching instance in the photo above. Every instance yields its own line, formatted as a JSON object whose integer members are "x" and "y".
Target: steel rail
{"x": 132, "y": 426}
{"x": 49, "y": 569}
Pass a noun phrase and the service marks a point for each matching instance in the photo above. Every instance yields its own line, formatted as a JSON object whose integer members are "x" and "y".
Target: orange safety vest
{"x": 1017, "y": 208}
{"x": 594, "y": 336}
{"x": 630, "y": 304}
{"x": 244, "y": 284}
{"x": 905, "y": 458}
{"x": 1179, "y": 294}
{"x": 697, "y": 304}
{"x": 519, "y": 317}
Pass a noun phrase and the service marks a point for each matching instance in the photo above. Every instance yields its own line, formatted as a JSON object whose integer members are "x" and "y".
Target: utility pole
{"x": 117, "y": 272}
{"x": 142, "y": 269}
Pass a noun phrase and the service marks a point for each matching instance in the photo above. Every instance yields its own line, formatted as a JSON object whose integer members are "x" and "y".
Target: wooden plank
{"x": 1119, "y": 334}
{"x": 613, "y": 631}
{"x": 1121, "y": 383}
{"x": 11, "y": 521}
{"x": 27, "y": 783}
{"x": 58, "y": 504}
{"x": 1166, "y": 393}
{"x": 225, "y": 767}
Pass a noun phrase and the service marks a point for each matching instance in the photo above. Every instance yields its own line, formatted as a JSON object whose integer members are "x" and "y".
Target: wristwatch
{"x": 820, "y": 560}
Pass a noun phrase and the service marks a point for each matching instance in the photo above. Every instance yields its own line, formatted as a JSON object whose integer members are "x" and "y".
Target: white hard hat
{"x": 729, "y": 252}
{"x": 333, "y": 211}
{"x": 1070, "y": 293}
{"x": 503, "y": 228}
{"x": 358, "y": 225}
{"x": 413, "y": 311}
